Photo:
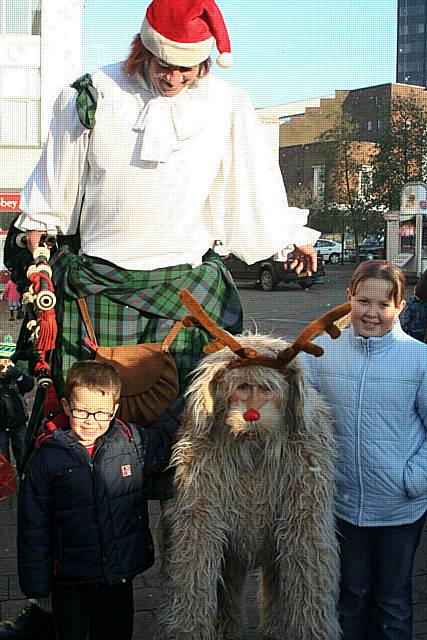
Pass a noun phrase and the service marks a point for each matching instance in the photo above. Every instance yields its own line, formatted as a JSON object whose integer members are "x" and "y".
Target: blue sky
{"x": 284, "y": 50}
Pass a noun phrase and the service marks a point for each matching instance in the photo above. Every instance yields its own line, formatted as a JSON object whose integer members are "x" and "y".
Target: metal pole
{"x": 419, "y": 244}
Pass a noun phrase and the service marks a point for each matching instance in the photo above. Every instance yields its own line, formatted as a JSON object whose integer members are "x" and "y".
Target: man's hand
{"x": 305, "y": 257}
{"x": 33, "y": 240}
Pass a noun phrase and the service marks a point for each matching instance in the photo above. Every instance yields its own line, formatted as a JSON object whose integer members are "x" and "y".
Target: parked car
{"x": 329, "y": 250}
{"x": 369, "y": 251}
{"x": 269, "y": 273}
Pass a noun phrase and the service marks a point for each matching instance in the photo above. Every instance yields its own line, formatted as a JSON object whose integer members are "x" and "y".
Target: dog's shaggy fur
{"x": 251, "y": 494}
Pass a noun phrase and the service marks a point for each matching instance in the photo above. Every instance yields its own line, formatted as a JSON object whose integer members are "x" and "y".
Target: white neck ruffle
{"x": 164, "y": 123}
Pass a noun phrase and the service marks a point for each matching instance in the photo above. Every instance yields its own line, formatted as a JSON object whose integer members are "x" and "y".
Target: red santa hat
{"x": 183, "y": 32}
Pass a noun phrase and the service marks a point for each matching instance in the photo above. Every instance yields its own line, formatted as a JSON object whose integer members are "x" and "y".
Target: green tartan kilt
{"x": 128, "y": 307}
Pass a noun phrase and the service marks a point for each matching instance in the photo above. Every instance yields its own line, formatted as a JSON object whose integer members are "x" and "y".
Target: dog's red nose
{"x": 251, "y": 415}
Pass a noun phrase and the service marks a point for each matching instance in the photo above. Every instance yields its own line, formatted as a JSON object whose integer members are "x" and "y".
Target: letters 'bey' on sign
{"x": 413, "y": 200}
{"x": 9, "y": 201}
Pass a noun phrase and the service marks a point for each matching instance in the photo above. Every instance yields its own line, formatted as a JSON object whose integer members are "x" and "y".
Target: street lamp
{"x": 406, "y": 130}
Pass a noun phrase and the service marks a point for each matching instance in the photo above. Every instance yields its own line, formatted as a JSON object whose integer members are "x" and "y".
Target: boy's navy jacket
{"x": 83, "y": 520}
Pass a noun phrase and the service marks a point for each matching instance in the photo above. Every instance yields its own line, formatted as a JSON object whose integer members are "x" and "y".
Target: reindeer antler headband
{"x": 248, "y": 356}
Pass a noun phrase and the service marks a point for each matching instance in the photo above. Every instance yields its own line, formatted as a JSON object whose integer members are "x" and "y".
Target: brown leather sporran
{"x": 147, "y": 372}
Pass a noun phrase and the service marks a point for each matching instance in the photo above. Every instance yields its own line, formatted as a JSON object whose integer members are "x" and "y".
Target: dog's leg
{"x": 272, "y": 607}
{"x": 163, "y": 541}
{"x": 308, "y": 560}
{"x": 304, "y": 533}
{"x": 194, "y": 554}
{"x": 231, "y": 621}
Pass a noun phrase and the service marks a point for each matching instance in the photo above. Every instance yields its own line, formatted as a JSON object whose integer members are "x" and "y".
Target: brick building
{"x": 302, "y": 156}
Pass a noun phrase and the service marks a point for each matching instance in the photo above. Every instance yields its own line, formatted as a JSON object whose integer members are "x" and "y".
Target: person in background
{"x": 83, "y": 523}
{"x": 12, "y": 296}
{"x": 13, "y": 410}
{"x": 414, "y": 316}
{"x": 374, "y": 377}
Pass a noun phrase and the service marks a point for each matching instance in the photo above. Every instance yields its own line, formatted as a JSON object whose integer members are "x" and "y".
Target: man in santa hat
{"x": 149, "y": 161}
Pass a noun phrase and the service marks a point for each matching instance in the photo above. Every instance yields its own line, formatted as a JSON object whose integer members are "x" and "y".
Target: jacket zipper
{"x": 358, "y": 431}
{"x": 90, "y": 462}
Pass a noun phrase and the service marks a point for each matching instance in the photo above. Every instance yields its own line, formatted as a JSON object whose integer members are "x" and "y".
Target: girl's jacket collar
{"x": 376, "y": 345}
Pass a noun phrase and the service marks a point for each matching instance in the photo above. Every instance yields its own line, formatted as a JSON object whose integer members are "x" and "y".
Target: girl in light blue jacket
{"x": 375, "y": 380}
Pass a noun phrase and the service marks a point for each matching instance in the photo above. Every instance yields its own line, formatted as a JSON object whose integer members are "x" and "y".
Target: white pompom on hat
{"x": 183, "y": 32}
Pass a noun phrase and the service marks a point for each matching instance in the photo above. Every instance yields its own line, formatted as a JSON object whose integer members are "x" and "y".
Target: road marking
{"x": 285, "y": 320}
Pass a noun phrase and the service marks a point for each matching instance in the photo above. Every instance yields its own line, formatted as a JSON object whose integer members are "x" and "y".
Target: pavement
{"x": 268, "y": 315}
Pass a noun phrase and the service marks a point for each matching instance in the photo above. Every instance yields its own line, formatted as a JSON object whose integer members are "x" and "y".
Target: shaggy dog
{"x": 251, "y": 489}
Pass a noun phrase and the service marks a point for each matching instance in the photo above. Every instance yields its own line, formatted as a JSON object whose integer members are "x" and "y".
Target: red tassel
{"x": 48, "y": 330}
{"x": 36, "y": 278}
{"x": 51, "y": 404}
{"x": 46, "y": 318}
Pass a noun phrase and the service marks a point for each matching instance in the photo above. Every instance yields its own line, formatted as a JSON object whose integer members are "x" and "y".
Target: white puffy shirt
{"x": 162, "y": 177}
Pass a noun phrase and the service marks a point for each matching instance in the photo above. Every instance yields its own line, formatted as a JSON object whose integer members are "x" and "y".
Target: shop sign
{"x": 9, "y": 201}
{"x": 402, "y": 259}
{"x": 413, "y": 200}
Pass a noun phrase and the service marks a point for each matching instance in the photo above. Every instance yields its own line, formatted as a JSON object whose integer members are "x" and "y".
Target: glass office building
{"x": 411, "y": 42}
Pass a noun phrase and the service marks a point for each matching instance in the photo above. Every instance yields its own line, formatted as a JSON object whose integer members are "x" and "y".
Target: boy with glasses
{"x": 83, "y": 524}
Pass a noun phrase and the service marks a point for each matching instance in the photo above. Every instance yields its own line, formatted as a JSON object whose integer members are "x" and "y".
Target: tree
{"x": 300, "y": 196}
{"x": 347, "y": 203}
{"x": 402, "y": 150}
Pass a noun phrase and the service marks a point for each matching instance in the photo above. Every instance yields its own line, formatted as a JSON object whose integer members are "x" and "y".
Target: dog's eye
{"x": 244, "y": 387}
{"x": 266, "y": 389}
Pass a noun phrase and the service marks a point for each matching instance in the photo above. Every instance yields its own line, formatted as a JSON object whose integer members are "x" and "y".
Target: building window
{"x": 20, "y": 16}
{"x": 19, "y": 106}
{"x": 369, "y": 125}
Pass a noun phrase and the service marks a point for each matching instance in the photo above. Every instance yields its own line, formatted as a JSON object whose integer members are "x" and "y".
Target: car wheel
{"x": 334, "y": 258}
{"x": 306, "y": 284}
{"x": 266, "y": 280}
